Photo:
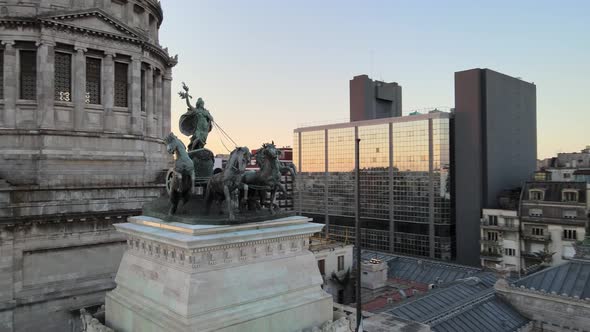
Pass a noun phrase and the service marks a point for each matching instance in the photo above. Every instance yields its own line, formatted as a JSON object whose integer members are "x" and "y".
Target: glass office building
{"x": 405, "y": 182}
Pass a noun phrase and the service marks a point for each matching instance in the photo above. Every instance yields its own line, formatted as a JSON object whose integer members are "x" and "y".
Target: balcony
{"x": 531, "y": 255}
{"x": 493, "y": 243}
{"x": 486, "y": 225}
{"x": 491, "y": 256}
{"x": 536, "y": 238}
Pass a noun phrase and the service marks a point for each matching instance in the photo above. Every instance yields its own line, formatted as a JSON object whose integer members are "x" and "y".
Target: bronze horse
{"x": 268, "y": 178}
{"x": 221, "y": 186}
{"x": 184, "y": 173}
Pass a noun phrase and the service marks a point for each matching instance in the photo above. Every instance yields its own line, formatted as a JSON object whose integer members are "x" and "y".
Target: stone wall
{"x": 69, "y": 168}
{"x": 54, "y": 267}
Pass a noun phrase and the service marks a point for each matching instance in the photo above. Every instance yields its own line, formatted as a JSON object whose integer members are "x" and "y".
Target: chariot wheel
{"x": 169, "y": 178}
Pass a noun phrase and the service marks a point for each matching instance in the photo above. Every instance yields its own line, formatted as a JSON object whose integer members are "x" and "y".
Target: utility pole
{"x": 358, "y": 235}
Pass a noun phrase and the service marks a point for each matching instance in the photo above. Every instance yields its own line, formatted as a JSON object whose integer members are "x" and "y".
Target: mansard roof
{"x": 553, "y": 189}
{"x": 571, "y": 279}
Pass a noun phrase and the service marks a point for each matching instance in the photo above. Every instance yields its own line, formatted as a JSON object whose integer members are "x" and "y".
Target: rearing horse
{"x": 184, "y": 172}
{"x": 222, "y": 185}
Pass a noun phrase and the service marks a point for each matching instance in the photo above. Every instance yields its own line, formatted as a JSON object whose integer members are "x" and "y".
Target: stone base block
{"x": 250, "y": 277}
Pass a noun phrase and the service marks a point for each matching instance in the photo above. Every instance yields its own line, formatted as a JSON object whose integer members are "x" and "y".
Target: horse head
{"x": 239, "y": 159}
{"x": 173, "y": 143}
{"x": 270, "y": 151}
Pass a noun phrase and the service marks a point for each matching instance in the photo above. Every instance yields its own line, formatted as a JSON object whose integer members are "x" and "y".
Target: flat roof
{"x": 398, "y": 119}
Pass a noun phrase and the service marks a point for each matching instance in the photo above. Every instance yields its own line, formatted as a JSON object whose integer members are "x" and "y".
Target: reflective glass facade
{"x": 340, "y": 171}
{"x": 405, "y": 182}
{"x": 312, "y": 186}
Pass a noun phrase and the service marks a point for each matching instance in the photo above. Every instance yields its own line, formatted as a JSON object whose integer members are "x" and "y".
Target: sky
{"x": 265, "y": 68}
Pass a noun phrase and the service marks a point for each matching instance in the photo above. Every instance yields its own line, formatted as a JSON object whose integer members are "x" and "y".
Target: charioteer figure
{"x": 197, "y": 122}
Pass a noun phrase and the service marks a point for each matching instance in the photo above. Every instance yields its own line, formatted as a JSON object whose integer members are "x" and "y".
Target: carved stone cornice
{"x": 216, "y": 256}
{"x": 54, "y": 18}
{"x": 58, "y": 21}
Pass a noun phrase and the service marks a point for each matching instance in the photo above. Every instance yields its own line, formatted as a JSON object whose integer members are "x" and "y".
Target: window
{"x": 570, "y": 214}
{"x": 569, "y": 234}
{"x": 93, "y": 80}
{"x": 1, "y": 74}
{"x": 493, "y": 251}
{"x": 537, "y": 231}
{"x": 28, "y": 75}
{"x": 535, "y": 212}
{"x": 493, "y": 220}
{"x": 121, "y": 84}
{"x": 569, "y": 195}
{"x": 63, "y": 76}
{"x": 143, "y": 87}
{"x": 567, "y": 175}
{"x": 492, "y": 236}
{"x": 509, "y": 252}
{"x": 536, "y": 195}
{"x": 341, "y": 263}
{"x": 509, "y": 222}
{"x": 322, "y": 266}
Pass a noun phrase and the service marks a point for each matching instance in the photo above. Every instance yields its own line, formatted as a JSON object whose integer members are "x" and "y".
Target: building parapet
{"x": 486, "y": 225}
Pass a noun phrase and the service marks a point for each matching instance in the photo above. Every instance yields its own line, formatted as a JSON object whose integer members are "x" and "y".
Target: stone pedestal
{"x": 251, "y": 277}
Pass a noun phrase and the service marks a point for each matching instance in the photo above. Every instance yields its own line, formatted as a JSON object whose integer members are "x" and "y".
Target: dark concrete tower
{"x": 374, "y": 99}
{"x": 495, "y": 147}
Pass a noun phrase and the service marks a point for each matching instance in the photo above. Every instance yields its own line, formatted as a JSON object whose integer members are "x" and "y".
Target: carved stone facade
{"x": 243, "y": 277}
{"x": 85, "y": 93}
{"x": 203, "y": 259}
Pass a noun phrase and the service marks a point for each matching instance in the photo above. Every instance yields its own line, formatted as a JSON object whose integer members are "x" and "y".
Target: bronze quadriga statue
{"x": 193, "y": 173}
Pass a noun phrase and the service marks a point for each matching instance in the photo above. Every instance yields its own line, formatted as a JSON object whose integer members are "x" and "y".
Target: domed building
{"x": 84, "y": 104}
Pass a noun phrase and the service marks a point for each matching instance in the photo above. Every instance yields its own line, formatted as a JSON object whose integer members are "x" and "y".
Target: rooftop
{"x": 571, "y": 279}
{"x": 421, "y": 270}
{"x": 434, "y": 113}
{"x": 320, "y": 244}
{"x": 490, "y": 313}
{"x": 463, "y": 298}
{"x": 553, "y": 189}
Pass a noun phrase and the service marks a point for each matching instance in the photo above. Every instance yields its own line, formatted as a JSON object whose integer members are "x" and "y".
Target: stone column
{"x": 79, "y": 88}
{"x": 166, "y": 101}
{"x": 135, "y": 96}
{"x": 129, "y": 14}
{"x": 108, "y": 81}
{"x": 45, "y": 84}
{"x": 158, "y": 102}
{"x": 10, "y": 89}
{"x": 149, "y": 100}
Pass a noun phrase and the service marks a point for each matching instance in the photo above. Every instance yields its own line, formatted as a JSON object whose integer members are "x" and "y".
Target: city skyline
{"x": 266, "y": 68}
